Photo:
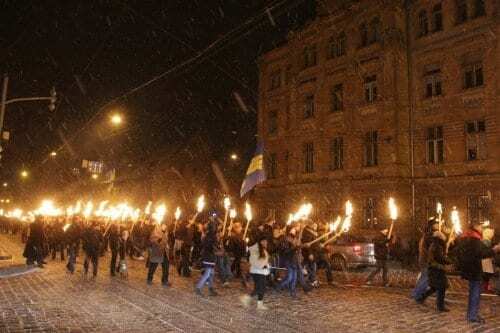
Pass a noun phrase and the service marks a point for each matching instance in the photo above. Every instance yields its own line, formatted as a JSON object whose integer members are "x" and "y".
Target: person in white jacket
{"x": 259, "y": 270}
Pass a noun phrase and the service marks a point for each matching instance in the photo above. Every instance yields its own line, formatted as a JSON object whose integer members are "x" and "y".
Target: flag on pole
{"x": 255, "y": 173}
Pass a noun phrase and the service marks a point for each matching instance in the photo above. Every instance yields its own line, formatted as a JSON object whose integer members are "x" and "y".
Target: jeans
{"x": 474, "y": 298}
{"x": 94, "y": 258}
{"x": 164, "y": 270}
{"x": 421, "y": 286}
{"x": 260, "y": 285}
{"x": 290, "y": 280}
{"x": 224, "y": 268}
{"x": 311, "y": 268}
{"x": 381, "y": 266}
{"x": 236, "y": 267}
{"x": 207, "y": 277}
{"x": 112, "y": 265}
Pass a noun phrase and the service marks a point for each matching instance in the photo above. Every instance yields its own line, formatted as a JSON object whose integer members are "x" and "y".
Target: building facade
{"x": 375, "y": 99}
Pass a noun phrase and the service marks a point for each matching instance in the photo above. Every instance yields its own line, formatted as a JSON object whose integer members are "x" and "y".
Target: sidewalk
{"x": 12, "y": 262}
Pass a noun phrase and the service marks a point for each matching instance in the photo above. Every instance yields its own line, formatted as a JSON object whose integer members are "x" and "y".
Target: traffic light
{"x": 53, "y": 99}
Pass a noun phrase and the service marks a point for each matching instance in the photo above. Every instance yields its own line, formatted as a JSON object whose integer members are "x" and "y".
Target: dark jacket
{"x": 209, "y": 245}
{"x": 470, "y": 252}
{"x": 158, "y": 250}
{"x": 288, "y": 251}
{"x": 92, "y": 241}
{"x": 236, "y": 245}
{"x": 437, "y": 261}
{"x": 423, "y": 249}
{"x": 380, "y": 246}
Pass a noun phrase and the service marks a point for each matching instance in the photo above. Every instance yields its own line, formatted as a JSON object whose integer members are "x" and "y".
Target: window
{"x": 375, "y": 30}
{"x": 437, "y": 18}
{"x": 287, "y": 161}
{"x": 461, "y": 11}
{"x": 473, "y": 76}
{"x": 288, "y": 75}
{"x": 435, "y": 145}
{"x": 273, "y": 122}
{"x": 370, "y": 213}
{"x": 337, "y": 46}
{"x": 308, "y": 151}
{"x": 275, "y": 80}
{"x": 363, "y": 35}
{"x": 310, "y": 56}
{"x": 309, "y": 107}
{"x": 371, "y": 89}
{"x": 272, "y": 166}
{"x": 479, "y": 8}
{"x": 371, "y": 149}
{"x": 337, "y": 99}
{"x": 478, "y": 208}
{"x": 433, "y": 86}
{"x": 337, "y": 153}
{"x": 423, "y": 24}
{"x": 475, "y": 132}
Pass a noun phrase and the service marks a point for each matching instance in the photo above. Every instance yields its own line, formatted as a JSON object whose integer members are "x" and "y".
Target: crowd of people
{"x": 273, "y": 255}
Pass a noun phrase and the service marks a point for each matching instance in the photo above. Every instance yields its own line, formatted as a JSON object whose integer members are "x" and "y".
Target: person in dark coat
{"x": 436, "y": 263}
{"x": 470, "y": 251}
{"x": 35, "y": 244}
{"x": 72, "y": 236}
{"x": 208, "y": 247}
{"x": 158, "y": 254}
{"x": 423, "y": 247}
{"x": 289, "y": 255}
{"x": 92, "y": 242}
{"x": 236, "y": 246}
{"x": 113, "y": 237}
{"x": 381, "y": 245}
{"x": 185, "y": 234}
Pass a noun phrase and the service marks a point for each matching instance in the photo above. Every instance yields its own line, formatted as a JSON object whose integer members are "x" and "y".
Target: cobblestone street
{"x": 54, "y": 301}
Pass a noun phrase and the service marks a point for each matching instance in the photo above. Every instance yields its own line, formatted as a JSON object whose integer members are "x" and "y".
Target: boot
{"x": 261, "y": 306}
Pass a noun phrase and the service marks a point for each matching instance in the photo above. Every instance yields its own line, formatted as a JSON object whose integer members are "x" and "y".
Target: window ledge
{"x": 368, "y": 108}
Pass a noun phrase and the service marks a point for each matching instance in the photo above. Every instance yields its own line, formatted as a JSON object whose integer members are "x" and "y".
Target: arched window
{"x": 423, "y": 24}
{"x": 363, "y": 34}
{"x": 437, "y": 18}
{"x": 374, "y": 30}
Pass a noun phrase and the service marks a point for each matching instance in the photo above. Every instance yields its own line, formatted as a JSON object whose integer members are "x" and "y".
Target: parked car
{"x": 352, "y": 252}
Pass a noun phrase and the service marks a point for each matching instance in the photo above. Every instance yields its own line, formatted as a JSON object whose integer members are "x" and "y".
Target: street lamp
{"x": 24, "y": 174}
{"x": 5, "y": 184}
{"x": 53, "y": 154}
{"x": 95, "y": 176}
{"x": 234, "y": 157}
{"x": 116, "y": 119}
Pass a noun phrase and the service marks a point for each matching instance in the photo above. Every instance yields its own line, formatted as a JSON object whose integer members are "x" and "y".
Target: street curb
{"x": 13, "y": 271}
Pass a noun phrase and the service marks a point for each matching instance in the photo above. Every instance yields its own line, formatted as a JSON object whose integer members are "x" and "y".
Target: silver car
{"x": 352, "y": 252}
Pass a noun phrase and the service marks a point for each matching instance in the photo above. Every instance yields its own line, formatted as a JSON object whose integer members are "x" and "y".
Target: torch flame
{"x": 227, "y": 203}
{"x": 303, "y": 212}
{"x": 348, "y": 208}
{"x": 147, "y": 210}
{"x": 455, "y": 220}
{"x": 393, "y": 209}
{"x": 78, "y": 207}
{"x": 177, "y": 213}
{"x": 334, "y": 226}
{"x": 70, "y": 211}
{"x": 66, "y": 227}
{"x": 47, "y": 208}
{"x": 347, "y": 224}
{"x": 88, "y": 209}
{"x": 200, "y": 205}
{"x": 248, "y": 211}
{"x": 232, "y": 213}
{"x": 439, "y": 208}
{"x": 159, "y": 213}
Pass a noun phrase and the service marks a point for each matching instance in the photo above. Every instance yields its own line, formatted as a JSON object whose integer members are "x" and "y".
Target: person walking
{"x": 259, "y": 270}
{"x": 113, "y": 237}
{"x": 289, "y": 249}
{"x": 381, "y": 245}
{"x": 436, "y": 263}
{"x": 34, "y": 249}
{"x": 425, "y": 242}
{"x": 158, "y": 254}
{"x": 208, "y": 258}
{"x": 92, "y": 242}
{"x": 470, "y": 251}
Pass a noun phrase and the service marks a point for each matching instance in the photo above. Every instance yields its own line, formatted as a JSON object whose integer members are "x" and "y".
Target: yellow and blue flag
{"x": 255, "y": 173}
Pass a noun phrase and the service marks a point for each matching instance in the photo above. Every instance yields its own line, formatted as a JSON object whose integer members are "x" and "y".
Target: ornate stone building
{"x": 380, "y": 98}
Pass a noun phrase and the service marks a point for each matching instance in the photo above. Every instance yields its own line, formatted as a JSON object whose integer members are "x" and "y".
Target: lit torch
{"x": 332, "y": 228}
{"x": 439, "y": 211}
{"x": 248, "y": 216}
{"x": 159, "y": 213}
{"x": 200, "y": 205}
{"x": 232, "y": 216}
{"x": 456, "y": 227}
{"x": 88, "y": 209}
{"x": 393, "y": 212}
{"x": 227, "y": 205}
{"x": 147, "y": 210}
{"x": 177, "y": 216}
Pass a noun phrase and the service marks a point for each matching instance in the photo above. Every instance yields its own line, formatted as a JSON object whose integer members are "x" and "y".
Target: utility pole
{"x": 4, "y": 102}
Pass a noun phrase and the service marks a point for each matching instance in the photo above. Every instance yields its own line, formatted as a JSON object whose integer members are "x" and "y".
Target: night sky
{"x": 100, "y": 56}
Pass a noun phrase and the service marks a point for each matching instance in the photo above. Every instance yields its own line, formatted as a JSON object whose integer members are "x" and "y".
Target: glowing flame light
{"x": 393, "y": 209}
{"x": 439, "y": 208}
{"x": 227, "y": 203}
{"x": 200, "y": 205}
{"x": 159, "y": 213}
{"x": 335, "y": 225}
{"x": 248, "y": 212}
{"x": 78, "y": 207}
{"x": 47, "y": 208}
{"x": 232, "y": 213}
{"x": 100, "y": 210}
{"x": 147, "y": 210}
{"x": 88, "y": 209}
{"x": 348, "y": 208}
{"x": 66, "y": 227}
{"x": 177, "y": 213}
{"x": 455, "y": 220}
{"x": 302, "y": 214}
